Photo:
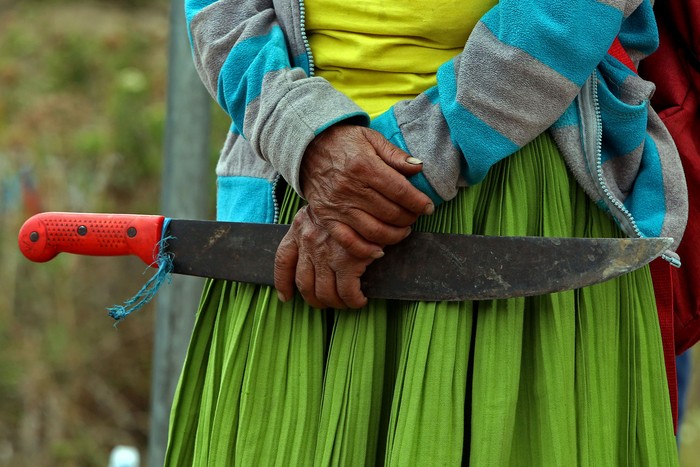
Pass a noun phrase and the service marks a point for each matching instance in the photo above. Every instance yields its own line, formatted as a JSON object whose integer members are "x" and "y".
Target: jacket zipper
{"x": 275, "y": 202}
{"x": 589, "y": 94}
{"x": 304, "y": 38}
{"x": 599, "y": 158}
{"x": 310, "y": 72}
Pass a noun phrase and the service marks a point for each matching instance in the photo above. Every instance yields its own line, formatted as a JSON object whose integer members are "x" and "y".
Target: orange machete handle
{"x": 45, "y": 235}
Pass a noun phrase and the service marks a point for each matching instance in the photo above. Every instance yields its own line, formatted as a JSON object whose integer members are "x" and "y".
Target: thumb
{"x": 393, "y": 156}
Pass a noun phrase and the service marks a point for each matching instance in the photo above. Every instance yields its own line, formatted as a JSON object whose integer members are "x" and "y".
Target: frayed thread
{"x": 164, "y": 260}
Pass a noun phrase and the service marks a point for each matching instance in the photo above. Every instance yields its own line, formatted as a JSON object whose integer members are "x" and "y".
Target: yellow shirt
{"x": 381, "y": 51}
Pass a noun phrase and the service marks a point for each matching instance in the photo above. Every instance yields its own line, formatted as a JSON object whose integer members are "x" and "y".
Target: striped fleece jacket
{"x": 529, "y": 66}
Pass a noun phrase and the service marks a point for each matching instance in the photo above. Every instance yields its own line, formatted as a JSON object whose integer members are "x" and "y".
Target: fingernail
{"x": 430, "y": 208}
{"x": 281, "y": 297}
{"x": 378, "y": 254}
{"x": 408, "y": 232}
{"x": 412, "y": 160}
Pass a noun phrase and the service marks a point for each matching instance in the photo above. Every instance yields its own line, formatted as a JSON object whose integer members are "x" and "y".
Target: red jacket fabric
{"x": 675, "y": 69}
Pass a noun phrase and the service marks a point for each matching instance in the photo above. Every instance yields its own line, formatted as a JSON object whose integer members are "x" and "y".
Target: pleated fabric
{"x": 572, "y": 378}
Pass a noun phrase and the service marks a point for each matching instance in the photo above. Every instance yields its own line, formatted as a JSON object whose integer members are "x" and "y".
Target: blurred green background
{"x": 82, "y": 116}
{"x": 82, "y": 112}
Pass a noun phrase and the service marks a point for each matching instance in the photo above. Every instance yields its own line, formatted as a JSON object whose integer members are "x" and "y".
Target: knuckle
{"x": 396, "y": 216}
{"x": 377, "y": 233}
{"x": 353, "y": 165}
{"x": 303, "y": 285}
{"x": 391, "y": 151}
{"x": 351, "y": 300}
{"x": 309, "y": 236}
{"x": 281, "y": 264}
{"x": 285, "y": 257}
{"x": 402, "y": 189}
{"x": 329, "y": 299}
{"x": 351, "y": 295}
{"x": 306, "y": 236}
{"x": 362, "y": 170}
{"x": 343, "y": 211}
{"x": 345, "y": 239}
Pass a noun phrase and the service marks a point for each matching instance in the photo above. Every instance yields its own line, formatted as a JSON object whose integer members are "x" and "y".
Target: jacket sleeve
{"x": 522, "y": 66}
{"x": 242, "y": 55}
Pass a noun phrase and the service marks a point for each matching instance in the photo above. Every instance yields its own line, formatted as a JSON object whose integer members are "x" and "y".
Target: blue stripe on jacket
{"x": 647, "y": 200}
{"x": 469, "y": 132}
{"x": 560, "y": 45}
{"x": 241, "y": 76}
{"x": 192, "y": 7}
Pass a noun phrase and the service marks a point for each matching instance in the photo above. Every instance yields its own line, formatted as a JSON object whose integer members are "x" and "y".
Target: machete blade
{"x": 425, "y": 266}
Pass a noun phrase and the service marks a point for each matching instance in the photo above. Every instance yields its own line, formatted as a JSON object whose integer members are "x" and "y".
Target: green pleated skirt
{"x": 572, "y": 378}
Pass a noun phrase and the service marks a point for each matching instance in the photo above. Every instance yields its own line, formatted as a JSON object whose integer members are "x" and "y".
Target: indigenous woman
{"x": 359, "y": 121}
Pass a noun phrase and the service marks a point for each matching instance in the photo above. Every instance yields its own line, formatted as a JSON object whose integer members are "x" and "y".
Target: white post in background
{"x": 187, "y": 181}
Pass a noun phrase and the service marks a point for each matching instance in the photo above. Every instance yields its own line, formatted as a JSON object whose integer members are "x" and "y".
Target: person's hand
{"x": 322, "y": 270}
{"x": 355, "y": 182}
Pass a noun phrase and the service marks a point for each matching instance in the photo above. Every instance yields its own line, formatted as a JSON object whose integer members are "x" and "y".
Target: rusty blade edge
{"x": 425, "y": 266}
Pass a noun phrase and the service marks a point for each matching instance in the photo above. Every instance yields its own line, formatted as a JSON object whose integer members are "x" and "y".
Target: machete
{"x": 424, "y": 266}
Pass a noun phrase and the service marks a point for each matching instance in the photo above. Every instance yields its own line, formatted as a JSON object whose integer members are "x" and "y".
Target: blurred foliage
{"x": 82, "y": 112}
{"x": 87, "y": 84}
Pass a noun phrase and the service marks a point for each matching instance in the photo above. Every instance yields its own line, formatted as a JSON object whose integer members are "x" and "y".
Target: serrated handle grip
{"x": 45, "y": 235}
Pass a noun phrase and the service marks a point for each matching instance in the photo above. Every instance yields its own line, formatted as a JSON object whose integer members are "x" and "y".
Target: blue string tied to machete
{"x": 164, "y": 261}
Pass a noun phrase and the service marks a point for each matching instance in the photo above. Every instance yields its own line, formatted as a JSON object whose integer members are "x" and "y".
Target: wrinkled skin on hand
{"x": 325, "y": 273}
{"x": 359, "y": 199}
